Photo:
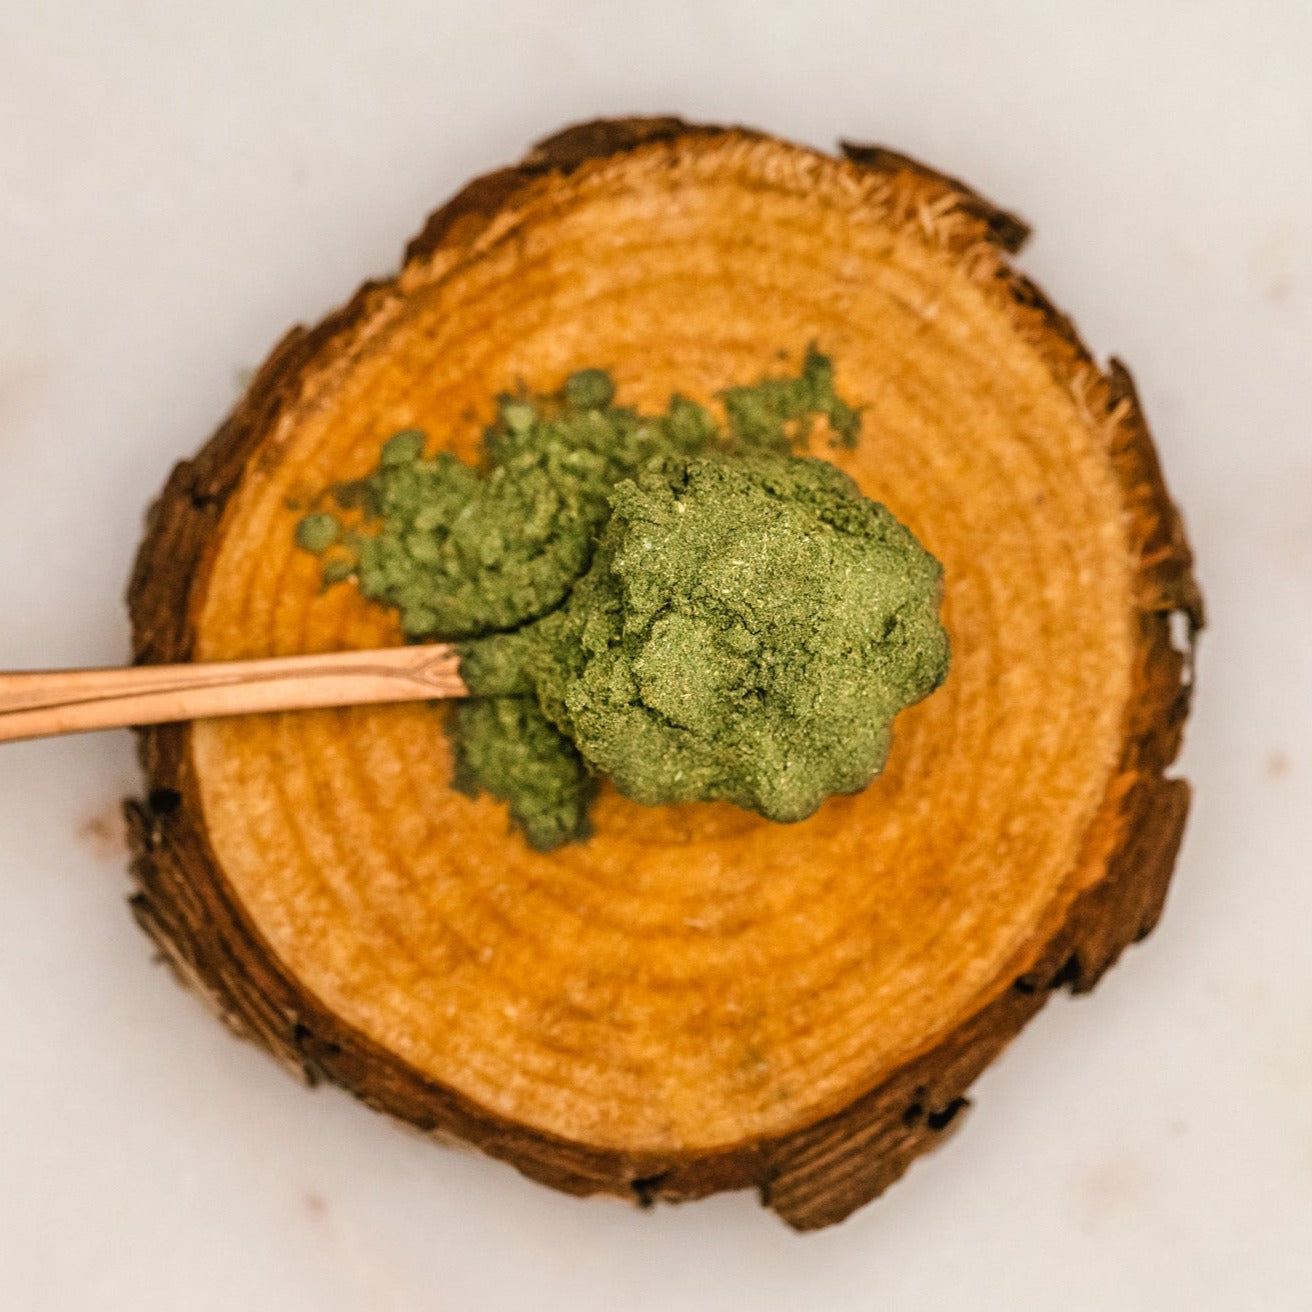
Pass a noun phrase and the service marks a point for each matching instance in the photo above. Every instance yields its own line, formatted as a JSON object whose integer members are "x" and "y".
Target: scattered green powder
{"x": 508, "y": 747}
{"x": 777, "y": 413}
{"x": 683, "y": 607}
{"x": 461, "y": 552}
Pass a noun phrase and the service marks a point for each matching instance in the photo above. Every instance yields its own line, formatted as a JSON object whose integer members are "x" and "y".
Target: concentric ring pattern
{"x": 693, "y": 977}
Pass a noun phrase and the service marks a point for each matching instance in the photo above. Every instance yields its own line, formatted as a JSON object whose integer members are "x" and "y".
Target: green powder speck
{"x": 317, "y": 532}
{"x": 337, "y": 571}
{"x": 402, "y": 448}
{"x": 589, "y": 389}
{"x": 684, "y": 607}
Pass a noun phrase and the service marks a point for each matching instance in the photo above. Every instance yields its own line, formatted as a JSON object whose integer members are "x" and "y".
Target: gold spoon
{"x": 38, "y": 703}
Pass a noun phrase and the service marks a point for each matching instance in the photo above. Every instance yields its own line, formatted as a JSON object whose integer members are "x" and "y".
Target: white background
{"x": 180, "y": 182}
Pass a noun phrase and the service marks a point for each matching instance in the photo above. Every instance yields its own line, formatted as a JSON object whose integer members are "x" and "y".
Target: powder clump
{"x": 680, "y": 605}
{"x": 747, "y": 632}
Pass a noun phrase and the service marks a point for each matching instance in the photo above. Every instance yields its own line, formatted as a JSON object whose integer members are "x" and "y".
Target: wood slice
{"x": 696, "y": 999}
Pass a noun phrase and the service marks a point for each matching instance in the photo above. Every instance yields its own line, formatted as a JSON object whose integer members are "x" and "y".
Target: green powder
{"x": 508, "y": 747}
{"x": 747, "y": 632}
{"x": 461, "y": 552}
{"x": 682, "y": 607}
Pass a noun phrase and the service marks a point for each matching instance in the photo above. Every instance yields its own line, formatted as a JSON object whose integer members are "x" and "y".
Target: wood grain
{"x": 695, "y": 999}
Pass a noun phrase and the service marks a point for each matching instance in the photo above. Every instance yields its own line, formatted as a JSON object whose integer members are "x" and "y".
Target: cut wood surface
{"x": 696, "y": 999}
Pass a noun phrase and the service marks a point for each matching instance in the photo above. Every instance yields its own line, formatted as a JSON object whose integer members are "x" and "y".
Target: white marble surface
{"x": 180, "y": 182}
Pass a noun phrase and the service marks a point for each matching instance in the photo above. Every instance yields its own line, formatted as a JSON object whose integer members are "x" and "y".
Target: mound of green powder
{"x": 681, "y": 606}
{"x": 747, "y": 632}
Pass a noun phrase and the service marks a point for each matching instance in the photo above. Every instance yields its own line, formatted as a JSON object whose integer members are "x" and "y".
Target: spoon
{"x": 39, "y": 703}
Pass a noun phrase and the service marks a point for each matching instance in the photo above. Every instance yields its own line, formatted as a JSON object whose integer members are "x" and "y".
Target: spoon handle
{"x": 42, "y": 702}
